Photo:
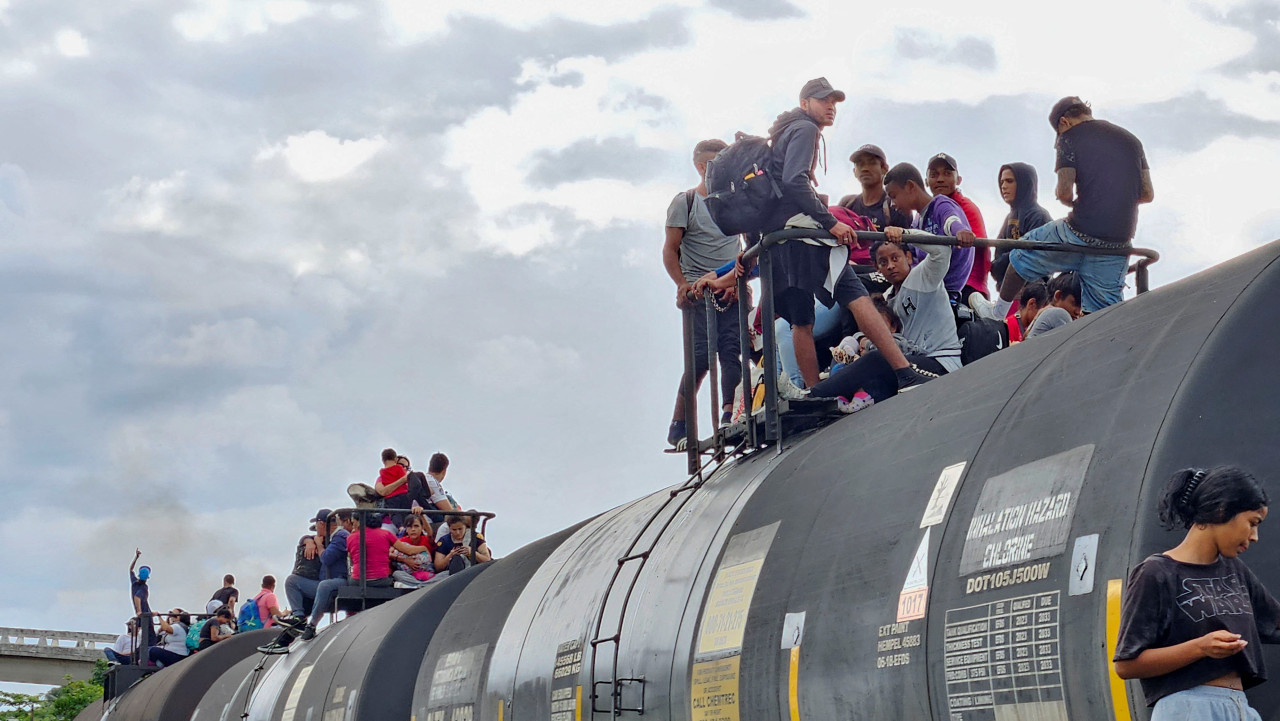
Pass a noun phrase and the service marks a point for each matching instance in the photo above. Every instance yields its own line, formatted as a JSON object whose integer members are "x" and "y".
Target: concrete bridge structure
{"x": 34, "y": 656}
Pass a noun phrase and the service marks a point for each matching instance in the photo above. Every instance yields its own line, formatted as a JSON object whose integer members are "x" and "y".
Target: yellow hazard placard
{"x": 714, "y": 690}
{"x": 725, "y": 617}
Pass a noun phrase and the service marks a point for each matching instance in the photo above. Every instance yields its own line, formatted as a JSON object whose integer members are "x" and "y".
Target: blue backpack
{"x": 740, "y": 191}
{"x": 248, "y": 618}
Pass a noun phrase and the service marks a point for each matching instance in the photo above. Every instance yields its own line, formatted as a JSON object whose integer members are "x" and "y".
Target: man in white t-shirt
{"x": 122, "y": 649}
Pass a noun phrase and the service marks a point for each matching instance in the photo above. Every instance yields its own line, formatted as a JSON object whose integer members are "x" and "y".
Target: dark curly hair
{"x": 1209, "y": 495}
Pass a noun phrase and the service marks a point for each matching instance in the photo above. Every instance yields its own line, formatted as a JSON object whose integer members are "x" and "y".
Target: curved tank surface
{"x": 957, "y": 552}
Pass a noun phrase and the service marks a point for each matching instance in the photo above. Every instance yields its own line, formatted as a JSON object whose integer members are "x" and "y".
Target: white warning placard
{"x": 936, "y": 510}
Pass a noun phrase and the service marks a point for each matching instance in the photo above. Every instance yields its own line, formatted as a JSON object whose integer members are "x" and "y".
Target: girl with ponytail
{"x": 1193, "y": 616}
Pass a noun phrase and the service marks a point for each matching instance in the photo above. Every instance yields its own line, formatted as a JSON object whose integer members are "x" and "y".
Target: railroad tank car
{"x": 957, "y": 552}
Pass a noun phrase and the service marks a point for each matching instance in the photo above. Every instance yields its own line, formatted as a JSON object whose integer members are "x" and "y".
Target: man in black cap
{"x": 803, "y": 269}
{"x": 1103, "y": 177}
{"x": 300, "y": 586}
{"x": 869, "y": 166}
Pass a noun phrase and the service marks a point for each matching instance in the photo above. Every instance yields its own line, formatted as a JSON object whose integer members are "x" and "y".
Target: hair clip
{"x": 1191, "y": 487}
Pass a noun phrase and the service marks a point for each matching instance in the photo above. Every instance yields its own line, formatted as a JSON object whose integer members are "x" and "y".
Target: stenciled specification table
{"x": 1003, "y": 655}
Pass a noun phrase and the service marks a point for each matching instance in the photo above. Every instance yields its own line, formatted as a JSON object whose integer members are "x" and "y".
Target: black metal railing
{"x": 770, "y": 430}
{"x": 479, "y": 522}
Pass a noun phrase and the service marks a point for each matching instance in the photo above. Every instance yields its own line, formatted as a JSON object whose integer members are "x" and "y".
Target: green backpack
{"x": 193, "y": 634}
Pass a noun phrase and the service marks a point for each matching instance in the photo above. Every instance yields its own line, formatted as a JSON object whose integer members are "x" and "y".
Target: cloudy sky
{"x": 247, "y": 245}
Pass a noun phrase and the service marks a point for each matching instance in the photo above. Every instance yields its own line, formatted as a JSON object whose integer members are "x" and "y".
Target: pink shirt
{"x": 266, "y": 600}
{"x": 378, "y": 543}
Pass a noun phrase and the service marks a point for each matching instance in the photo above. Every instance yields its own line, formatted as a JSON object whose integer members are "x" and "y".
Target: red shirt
{"x": 378, "y": 543}
{"x": 981, "y": 256}
{"x": 1015, "y": 328}
{"x": 391, "y": 474}
{"x": 424, "y": 540}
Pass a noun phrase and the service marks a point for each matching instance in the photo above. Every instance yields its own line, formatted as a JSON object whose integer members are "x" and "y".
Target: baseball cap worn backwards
{"x": 820, "y": 88}
{"x": 1064, "y": 106}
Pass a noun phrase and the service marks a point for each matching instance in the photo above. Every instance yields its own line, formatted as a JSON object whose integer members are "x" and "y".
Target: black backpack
{"x": 740, "y": 190}
{"x": 980, "y": 337}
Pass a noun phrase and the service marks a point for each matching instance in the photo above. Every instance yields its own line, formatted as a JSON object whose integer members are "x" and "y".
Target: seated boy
{"x": 938, "y": 215}
{"x": 1064, "y": 293}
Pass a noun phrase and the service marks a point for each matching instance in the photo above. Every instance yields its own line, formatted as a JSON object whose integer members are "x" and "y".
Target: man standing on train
{"x": 801, "y": 269}
{"x": 694, "y": 247}
{"x": 1103, "y": 177}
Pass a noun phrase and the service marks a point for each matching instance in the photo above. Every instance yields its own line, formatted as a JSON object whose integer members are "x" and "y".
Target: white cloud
{"x": 18, "y": 67}
{"x": 242, "y": 342}
{"x": 1256, "y": 94}
{"x": 223, "y": 20}
{"x": 71, "y": 43}
{"x": 317, "y": 157}
{"x": 521, "y": 361}
{"x": 414, "y": 20}
{"x": 1187, "y": 223}
{"x": 146, "y": 205}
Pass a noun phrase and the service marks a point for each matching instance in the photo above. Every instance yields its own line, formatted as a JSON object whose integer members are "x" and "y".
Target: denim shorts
{"x": 1205, "y": 703}
{"x": 1101, "y": 276}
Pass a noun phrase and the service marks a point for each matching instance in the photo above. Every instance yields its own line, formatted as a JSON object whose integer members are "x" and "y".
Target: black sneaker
{"x": 676, "y": 432}
{"x": 273, "y": 649}
{"x": 913, "y": 377}
{"x": 308, "y": 632}
{"x": 291, "y": 623}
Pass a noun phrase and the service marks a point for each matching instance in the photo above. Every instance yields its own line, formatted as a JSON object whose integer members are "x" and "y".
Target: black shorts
{"x": 795, "y": 305}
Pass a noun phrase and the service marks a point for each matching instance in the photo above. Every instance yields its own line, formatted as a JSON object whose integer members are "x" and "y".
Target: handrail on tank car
{"x": 759, "y": 252}
{"x": 137, "y": 628}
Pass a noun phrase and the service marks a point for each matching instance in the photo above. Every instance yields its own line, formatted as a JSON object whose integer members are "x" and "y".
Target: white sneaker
{"x": 982, "y": 307}
{"x": 788, "y": 390}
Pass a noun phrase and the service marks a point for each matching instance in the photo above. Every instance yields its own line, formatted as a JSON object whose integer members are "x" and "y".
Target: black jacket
{"x": 794, "y": 141}
{"x": 1025, "y": 214}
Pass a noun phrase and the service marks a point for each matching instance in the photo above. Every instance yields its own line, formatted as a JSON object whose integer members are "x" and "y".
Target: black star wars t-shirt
{"x": 1168, "y": 602}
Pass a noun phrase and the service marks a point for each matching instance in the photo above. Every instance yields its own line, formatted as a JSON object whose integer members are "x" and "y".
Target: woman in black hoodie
{"x": 1018, "y": 187}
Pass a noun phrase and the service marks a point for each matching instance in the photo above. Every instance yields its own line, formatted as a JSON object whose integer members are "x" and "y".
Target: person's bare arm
{"x": 1065, "y": 192}
{"x": 483, "y": 555}
{"x": 385, "y": 490}
{"x": 671, "y": 262}
{"x": 137, "y": 552}
{"x": 1148, "y": 192}
{"x": 409, "y": 549}
{"x": 1159, "y": 661}
{"x": 442, "y": 559}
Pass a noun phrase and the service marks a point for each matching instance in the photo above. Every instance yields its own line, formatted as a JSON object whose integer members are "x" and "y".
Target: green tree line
{"x": 63, "y": 703}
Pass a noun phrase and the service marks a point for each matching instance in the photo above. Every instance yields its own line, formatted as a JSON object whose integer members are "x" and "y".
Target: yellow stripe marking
{"x": 793, "y": 684}
{"x": 1119, "y": 694}
{"x": 500, "y": 705}
{"x": 577, "y": 707}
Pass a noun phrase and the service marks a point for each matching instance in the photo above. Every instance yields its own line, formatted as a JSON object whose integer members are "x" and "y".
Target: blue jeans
{"x": 1101, "y": 276}
{"x": 826, "y": 321}
{"x": 325, "y": 592}
{"x": 1205, "y": 703}
{"x": 301, "y": 593}
{"x": 114, "y": 657}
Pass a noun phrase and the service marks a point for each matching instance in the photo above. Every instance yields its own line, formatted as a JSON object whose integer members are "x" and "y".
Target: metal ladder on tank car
{"x": 638, "y": 559}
